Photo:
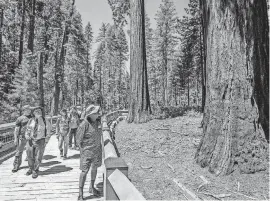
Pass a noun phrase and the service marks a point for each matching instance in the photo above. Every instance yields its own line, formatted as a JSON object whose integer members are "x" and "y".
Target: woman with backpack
{"x": 62, "y": 131}
{"x": 37, "y": 134}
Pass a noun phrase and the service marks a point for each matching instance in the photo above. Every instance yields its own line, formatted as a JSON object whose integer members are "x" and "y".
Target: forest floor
{"x": 160, "y": 151}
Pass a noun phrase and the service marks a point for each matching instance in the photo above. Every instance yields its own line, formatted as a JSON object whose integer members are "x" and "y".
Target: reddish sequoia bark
{"x": 236, "y": 110}
{"x": 139, "y": 107}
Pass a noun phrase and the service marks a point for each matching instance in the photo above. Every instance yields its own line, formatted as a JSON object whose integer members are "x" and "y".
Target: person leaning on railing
{"x": 19, "y": 136}
{"x": 89, "y": 141}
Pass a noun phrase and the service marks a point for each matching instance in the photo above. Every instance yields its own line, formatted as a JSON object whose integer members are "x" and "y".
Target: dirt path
{"x": 156, "y": 156}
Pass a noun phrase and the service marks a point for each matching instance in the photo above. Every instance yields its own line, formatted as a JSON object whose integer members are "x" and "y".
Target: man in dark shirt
{"x": 19, "y": 136}
{"x": 89, "y": 141}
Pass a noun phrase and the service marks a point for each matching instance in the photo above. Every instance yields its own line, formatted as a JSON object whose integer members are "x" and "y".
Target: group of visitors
{"x": 33, "y": 131}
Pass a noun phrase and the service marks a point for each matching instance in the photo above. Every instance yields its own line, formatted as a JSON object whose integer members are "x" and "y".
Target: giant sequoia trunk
{"x": 139, "y": 107}
{"x": 236, "y": 112}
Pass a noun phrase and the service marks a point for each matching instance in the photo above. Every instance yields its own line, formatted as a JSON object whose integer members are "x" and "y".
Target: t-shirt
{"x": 36, "y": 128}
{"x": 21, "y": 122}
{"x": 63, "y": 125}
{"x": 74, "y": 120}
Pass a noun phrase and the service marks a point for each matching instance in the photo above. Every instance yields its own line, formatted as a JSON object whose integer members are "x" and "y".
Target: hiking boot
{"x": 14, "y": 170}
{"x": 28, "y": 172}
{"x": 34, "y": 174}
{"x": 93, "y": 191}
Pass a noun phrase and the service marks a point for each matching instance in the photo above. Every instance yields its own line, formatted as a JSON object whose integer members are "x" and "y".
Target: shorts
{"x": 88, "y": 158}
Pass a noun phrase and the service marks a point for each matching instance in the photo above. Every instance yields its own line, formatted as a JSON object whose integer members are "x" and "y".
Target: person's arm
{"x": 16, "y": 131}
{"x": 57, "y": 127}
{"x": 49, "y": 129}
{"x": 80, "y": 133}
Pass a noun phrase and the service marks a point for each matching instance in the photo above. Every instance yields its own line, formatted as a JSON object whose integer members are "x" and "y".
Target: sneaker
{"x": 80, "y": 198}
{"x": 34, "y": 175}
{"x": 14, "y": 170}
{"x": 64, "y": 157}
{"x": 28, "y": 172}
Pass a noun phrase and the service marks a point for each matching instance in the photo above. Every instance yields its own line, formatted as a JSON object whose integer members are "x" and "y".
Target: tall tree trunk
{"x": 188, "y": 91}
{"x": 22, "y": 33}
{"x": 139, "y": 108}
{"x": 32, "y": 26}
{"x": 1, "y": 32}
{"x": 40, "y": 82}
{"x": 236, "y": 109}
{"x": 59, "y": 75}
{"x": 203, "y": 50}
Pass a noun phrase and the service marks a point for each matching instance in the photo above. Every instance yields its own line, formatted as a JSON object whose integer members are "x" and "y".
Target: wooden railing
{"x": 117, "y": 186}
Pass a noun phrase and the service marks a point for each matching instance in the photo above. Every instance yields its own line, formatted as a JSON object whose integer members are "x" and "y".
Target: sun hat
{"x": 28, "y": 107}
{"x": 92, "y": 109}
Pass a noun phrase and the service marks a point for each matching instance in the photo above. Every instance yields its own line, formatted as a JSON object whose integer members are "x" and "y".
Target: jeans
{"x": 63, "y": 140}
{"x": 19, "y": 151}
{"x": 72, "y": 134}
{"x": 35, "y": 151}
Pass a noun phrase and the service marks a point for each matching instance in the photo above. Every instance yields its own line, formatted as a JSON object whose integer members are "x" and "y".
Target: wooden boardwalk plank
{"x": 58, "y": 178}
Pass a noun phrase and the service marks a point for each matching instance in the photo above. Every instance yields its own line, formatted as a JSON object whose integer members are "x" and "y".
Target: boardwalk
{"x": 58, "y": 178}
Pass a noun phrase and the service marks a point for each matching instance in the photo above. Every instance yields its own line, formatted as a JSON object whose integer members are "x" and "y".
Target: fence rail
{"x": 117, "y": 185}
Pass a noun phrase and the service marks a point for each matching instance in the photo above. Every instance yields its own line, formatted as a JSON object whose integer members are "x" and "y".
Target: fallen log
{"x": 191, "y": 194}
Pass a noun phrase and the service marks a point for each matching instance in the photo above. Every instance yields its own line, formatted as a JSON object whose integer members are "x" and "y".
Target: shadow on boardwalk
{"x": 55, "y": 170}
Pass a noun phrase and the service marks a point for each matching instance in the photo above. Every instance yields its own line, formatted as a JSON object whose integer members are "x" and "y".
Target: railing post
{"x": 111, "y": 164}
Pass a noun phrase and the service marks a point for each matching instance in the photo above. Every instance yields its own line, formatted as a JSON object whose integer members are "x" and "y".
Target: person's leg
{"x": 29, "y": 152}
{"x": 60, "y": 144}
{"x": 39, "y": 150}
{"x": 70, "y": 138}
{"x": 75, "y": 141}
{"x": 93, "y": 171}
{"x": 66, "y": 141}
{"x": 18, "y": 156}
{"x": 84, "y": 166}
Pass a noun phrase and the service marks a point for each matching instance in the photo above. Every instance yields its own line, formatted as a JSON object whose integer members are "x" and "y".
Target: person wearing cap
{"x": 19, "y": 136}
{"x": 74, "y": 121}
{"x": 89, "y": 141}
{"x": 37, "y": 135}
{"x": 62, "y": 131}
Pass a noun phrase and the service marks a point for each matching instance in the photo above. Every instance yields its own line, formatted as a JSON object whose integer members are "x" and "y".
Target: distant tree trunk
{"x": 203, "y": 50}
{"x": 237, "y": 93}
{"x": 188, "y": 91}
{"x": 32, "y": 26}
{"x": 57, "y": 78}
{"x": 1, "y": 32}
{"x": 22, "y": 33}
{"x": 40, "y": 82}
{"x": 139, "y": 108}
{"x": 59, "y": 75}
